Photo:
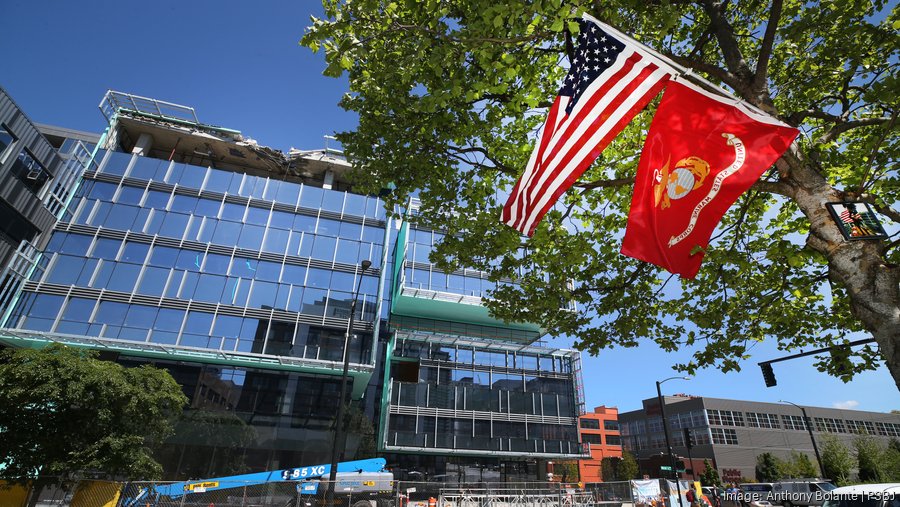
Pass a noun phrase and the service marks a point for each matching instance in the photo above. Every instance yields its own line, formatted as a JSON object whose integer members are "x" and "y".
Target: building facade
{"x": 732, "y": 433}
{"x": 600, "y": 430}
{"x": 36, "y": 182}
{"x": 234, "y": 266}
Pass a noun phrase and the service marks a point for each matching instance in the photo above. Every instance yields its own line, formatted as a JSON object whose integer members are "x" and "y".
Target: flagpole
{"x": 681, "y": 70}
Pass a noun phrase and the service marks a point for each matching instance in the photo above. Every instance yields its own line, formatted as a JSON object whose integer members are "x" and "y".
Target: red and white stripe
{"x": 575, "y": 140}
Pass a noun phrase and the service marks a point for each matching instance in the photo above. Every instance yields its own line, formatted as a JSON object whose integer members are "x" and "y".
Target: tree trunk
{"x": 872, "y": 284}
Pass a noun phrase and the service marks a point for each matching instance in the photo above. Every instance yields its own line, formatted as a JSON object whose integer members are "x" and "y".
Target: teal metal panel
{"x": 412, "y": 306}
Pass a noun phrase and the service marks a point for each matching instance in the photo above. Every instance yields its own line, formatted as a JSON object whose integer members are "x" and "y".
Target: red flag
{"x": 701, "y": 154}
{"x": 609, "y": 82}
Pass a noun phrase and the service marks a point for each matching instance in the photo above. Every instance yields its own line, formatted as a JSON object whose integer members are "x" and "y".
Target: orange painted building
{"x": 600, "y": 429}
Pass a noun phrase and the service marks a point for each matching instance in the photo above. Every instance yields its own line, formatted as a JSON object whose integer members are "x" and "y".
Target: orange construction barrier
{"x": 432, "y": 502}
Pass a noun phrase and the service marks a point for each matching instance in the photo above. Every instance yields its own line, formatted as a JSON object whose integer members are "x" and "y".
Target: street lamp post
{"x": 339, "y": 436}
{"x": 662, "y": 411}
{"x": 808, "y": 422}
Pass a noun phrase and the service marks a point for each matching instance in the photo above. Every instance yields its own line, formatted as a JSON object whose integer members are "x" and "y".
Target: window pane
{"x": 355, "y": 204}
{"x": 163, "y": 256}
{"x": 183, "y": 203}
{"x": 347, "y": 251}
{"x": 190, "y": 260}
{"x": 106, "y": 248}
{"x": 282, "y": 220}
{"x": 157, "y": 199}
{"x": 153, "y": 281}
{"x": 66, "y": 269}
{"x": 193, "y": 176}
{"x": 227, "y": 326}
{"x": 231, "y": 211}
{"x": 216, "y": 264}
{"x": 169, "y": 319}
{"x": 258, "y": 216}
{"x": 124, "y": 277}
{"x": 251, "y": 237}
{"x": 209, "y": 288}
{"x": 292, "y": 274}
{"x": 333, "y": 201}
{"x": 288, "y": 193}
{"x": 145, "y": 168}
{"x": 313, "y": 302}
{"x": 319, "y": 278}
{"x": 311, "y": 197}
{"x": 79, "y": 309}
{"x": 267, "y": 270}
{"x": 262, "y": 295}
{"x": 135, "y": 252}
{"x": 219, "y": 181}
{"x": 111, "y": 313}
{"x": 227, "y": 233}
{"x": 121, "y": 217}
{"x": 243, "y": 267}
{"x": 207, "y": 208}
{"x": 141, "y": 316}
{"x": 276, "y": 241}
{"x": 304, "y": 223}
{"x": 198, "y": 323}
{"x": 324, "y": 248}
{"x": 328, "y": 227}
{"x": 174, "y": 225}
{"x": 130, "y": 195}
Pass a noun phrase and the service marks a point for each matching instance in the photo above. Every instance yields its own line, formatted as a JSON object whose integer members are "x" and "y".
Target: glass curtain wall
{"x": 483, "y": 398}
{"x": 198, "y": 258}
{"x": 165, "y": 242}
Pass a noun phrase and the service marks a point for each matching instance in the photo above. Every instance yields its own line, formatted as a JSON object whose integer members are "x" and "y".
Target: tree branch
{"x": 731, "y": 51}
{"x": 619, "y": 182}
{"x": 840, "y": 128}
{"x": 499, "y": 166}
{"x": 710, "y": 70}
{"x": 874, "y": 151}
{"x": 798, "y": 117}
{"x": 774, "y": 187}
{"x": 765, "y": 51}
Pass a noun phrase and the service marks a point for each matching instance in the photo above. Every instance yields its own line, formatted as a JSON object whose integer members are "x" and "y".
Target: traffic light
{"x": 688, "y": 438}
{"x": 768, "y": 374}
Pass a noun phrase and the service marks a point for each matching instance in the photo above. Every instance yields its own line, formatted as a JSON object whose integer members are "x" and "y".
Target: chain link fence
{"x": 312, "y": 494}
{"x": 611, "y": 494}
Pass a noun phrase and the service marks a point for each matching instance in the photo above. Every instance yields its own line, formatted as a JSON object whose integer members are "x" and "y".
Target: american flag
{"x": 608, "y": 83}
{"x": 847, "y": 217}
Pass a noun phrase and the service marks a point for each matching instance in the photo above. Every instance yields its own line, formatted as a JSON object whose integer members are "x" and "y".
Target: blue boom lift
{"x": 365, "y": 482}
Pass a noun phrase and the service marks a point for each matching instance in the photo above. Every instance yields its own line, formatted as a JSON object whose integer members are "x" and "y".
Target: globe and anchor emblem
{"x": 687, "y": 174}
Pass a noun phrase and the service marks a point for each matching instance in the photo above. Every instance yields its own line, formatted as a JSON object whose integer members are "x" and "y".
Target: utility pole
{"x": 808, "y": 422}
{"x": 339, "y": 437}
{"x": 662, "y": 411}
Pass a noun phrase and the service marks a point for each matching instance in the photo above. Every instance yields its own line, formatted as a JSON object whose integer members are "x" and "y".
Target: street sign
{"x": 665, "y": 468}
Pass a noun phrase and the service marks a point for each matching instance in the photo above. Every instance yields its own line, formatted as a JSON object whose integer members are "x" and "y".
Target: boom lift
{"x": 365, "y": 482}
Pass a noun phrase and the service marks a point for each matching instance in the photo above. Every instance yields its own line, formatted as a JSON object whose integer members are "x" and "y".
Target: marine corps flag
{"x": 701, "y": 154}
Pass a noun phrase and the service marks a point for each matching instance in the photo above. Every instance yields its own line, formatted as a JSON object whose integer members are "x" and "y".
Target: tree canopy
{"x": 837, "y": 461}
{"x": 709, "y": 476}
{"x": 64, "y": 412}
{"x": 768, "y": 467}
{"x": 450, "y": 95}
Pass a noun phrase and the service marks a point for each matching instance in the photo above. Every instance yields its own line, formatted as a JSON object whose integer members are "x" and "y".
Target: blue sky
{"x": 239, "y": 65}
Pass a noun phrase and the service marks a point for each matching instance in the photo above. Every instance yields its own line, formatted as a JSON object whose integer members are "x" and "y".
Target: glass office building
{"x": 234, "y": 266}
